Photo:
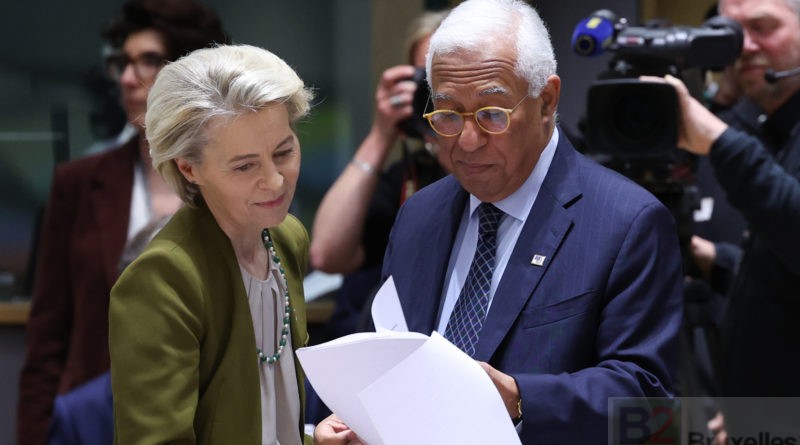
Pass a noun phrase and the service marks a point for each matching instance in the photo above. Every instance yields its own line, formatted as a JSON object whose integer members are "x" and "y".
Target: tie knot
{"x": 489, "y": 218}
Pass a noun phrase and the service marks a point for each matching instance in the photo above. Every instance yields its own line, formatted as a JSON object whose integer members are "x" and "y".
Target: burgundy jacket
{"x": 83, "y": 233}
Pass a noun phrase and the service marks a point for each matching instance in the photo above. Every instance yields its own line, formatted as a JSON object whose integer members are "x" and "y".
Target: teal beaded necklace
{"x": 287, "y": 308}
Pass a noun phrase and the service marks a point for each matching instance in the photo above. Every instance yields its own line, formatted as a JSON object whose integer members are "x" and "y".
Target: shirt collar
{"x": 519, "y": 203}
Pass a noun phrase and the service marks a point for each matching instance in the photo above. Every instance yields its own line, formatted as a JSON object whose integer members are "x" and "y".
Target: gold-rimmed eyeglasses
{"x": 145, "y": 65}
{"x": 493, "y": 120}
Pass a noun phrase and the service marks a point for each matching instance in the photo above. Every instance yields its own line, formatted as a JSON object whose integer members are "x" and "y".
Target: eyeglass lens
{"x": 146, "y": 66}
{"x": 491, "y": 119}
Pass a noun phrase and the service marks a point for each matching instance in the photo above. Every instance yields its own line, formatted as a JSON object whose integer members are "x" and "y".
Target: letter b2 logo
{"x": 634, "y": 421}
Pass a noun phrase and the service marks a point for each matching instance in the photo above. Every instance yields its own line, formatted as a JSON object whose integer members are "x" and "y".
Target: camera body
{"x": 416, "y": 126}
{"x": 635, "y": 120}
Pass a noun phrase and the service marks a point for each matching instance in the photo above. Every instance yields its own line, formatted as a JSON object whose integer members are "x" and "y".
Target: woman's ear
{"x": 186, "y": 169}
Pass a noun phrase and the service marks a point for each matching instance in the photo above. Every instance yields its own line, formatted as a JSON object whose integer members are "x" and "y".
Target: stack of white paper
{"x": 396, "y": 387}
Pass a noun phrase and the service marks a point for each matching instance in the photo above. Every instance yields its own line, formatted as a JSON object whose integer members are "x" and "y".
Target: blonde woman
{"x": 204, "y": 324}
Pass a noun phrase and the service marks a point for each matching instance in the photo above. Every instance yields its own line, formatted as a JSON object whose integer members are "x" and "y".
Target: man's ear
{"x": 550, "y": 95}
{"x": 186, "y": 169}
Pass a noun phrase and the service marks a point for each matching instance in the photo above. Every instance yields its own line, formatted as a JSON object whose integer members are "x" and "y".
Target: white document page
{"x": 438, "y": 395}
{"x": 387, "y": 314}
{"x": 341, "y": 368}
{"x": 398, "y": 388}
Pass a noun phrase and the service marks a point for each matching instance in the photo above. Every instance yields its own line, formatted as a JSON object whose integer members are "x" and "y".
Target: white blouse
{"x": 280, "y": 399}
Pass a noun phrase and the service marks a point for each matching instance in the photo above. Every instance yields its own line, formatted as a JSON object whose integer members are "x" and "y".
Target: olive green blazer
{"x": 184, "y": 366}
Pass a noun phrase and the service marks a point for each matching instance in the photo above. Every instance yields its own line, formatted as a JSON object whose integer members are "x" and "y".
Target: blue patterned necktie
{"x": 470, "y": 309}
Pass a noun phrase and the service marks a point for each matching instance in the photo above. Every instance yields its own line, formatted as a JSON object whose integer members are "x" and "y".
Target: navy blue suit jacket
{"x": 599, "y": 319}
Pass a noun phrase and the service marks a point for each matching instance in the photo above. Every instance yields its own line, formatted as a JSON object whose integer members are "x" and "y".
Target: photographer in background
{"x": 718, "y": 226}
{"x": 761, "y": 177}
{"x": 352, "y": 223}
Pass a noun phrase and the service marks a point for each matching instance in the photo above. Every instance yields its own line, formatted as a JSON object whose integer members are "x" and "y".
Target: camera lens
{"x": 635, "y": 122}
{"x": 632, "y": 119}
{"x": 415, "y": 126}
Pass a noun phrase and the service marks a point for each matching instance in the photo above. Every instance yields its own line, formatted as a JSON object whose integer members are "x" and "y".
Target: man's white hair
{"x": 477, "y": 24}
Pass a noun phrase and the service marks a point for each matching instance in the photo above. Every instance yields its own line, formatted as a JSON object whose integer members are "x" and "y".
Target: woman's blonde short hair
{"x": 208, "y": 84}
{"x": 422, "y": 26}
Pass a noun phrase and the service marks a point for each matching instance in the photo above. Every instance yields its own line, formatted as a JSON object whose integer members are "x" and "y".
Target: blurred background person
{"x": 761, "y": 177}
{"x": 84, "y": 415}
{"x": 764, "y": 282}
{"x": 720, "y": 229}
{"x": 204, "y": 323}
{"x": 718, "y": 225}
{"x": 352, "y": 224}
{"x": 96, "y": 205}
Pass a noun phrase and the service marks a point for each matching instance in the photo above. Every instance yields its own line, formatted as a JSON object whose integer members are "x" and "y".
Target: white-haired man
{"x": 561, "y": 276}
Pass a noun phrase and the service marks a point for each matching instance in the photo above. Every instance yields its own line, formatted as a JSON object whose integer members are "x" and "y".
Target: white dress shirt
{"x": 517, "y": 207}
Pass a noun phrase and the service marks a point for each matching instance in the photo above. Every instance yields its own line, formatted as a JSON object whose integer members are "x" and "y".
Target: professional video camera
{"x": 631, "y": 125}
{"x": 631, "y": 119}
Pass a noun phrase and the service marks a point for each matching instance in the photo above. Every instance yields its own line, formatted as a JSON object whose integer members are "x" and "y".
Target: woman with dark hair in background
{"x": 96, "y": 205}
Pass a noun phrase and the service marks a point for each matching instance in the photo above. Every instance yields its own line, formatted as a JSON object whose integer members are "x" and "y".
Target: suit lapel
{"x": 423, "y": 288}
{"x": 110, "y": 201}
{"x": 545, "y": 229}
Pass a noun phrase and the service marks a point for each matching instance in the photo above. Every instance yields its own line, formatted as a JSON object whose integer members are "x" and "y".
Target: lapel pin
{"x": 538, "y": 260}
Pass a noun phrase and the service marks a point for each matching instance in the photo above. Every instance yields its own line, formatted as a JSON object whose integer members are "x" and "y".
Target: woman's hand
{"x": 332, "y": 431}
{"x": 394, "y": 99}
